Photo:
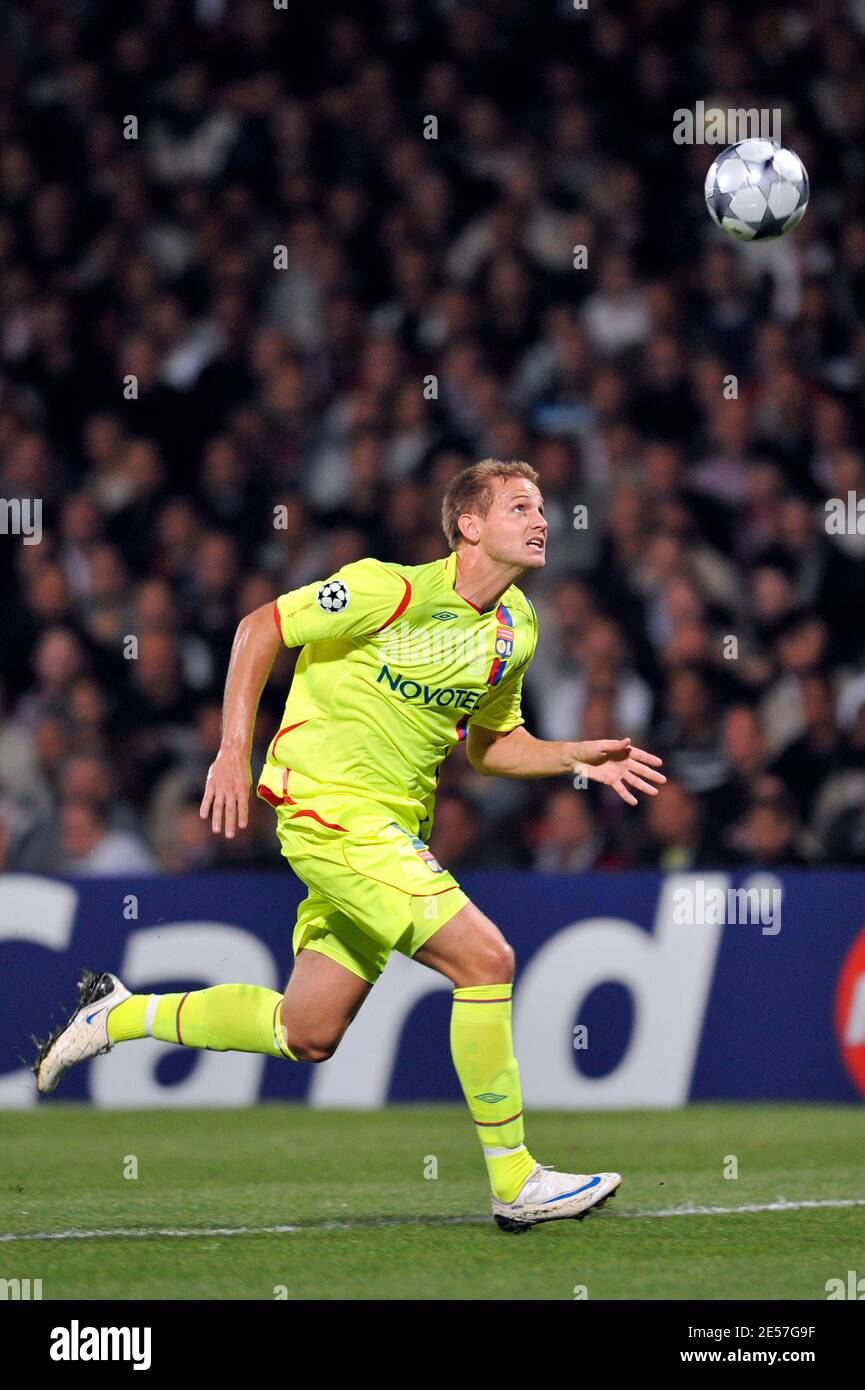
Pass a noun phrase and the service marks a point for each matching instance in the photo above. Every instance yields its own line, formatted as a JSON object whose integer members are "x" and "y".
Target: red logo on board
{"x": 850, "y": 1012}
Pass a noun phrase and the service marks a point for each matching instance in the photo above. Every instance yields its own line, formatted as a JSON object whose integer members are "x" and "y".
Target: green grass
{"x": 62, "y": 1169}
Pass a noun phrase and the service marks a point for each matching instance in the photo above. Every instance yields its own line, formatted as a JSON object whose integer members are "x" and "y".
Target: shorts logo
{"x": 423, "y": 851}
{"x": 333, "y": 596}
{"x": 430, "y": 860}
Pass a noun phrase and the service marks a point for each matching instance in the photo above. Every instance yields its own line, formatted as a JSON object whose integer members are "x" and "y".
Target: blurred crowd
{"x": 242, "y": 269}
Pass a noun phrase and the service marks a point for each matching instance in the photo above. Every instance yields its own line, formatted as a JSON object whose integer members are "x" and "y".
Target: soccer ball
{"x": 757, "y": 190}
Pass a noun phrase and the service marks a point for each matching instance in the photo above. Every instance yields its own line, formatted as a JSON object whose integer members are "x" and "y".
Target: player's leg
{"x": 329, "y": 983}
{"x": 471, "y": 951}
{"x": 320, "y": 1001}
{"x": 220, "y": 1018}
{"x": 327, "y": 987}
{"x": 323, "y": 998}
{"x": 387, "y": 892}
{"x": 233, "y": 1017}
{"x": 304, "y": 1025}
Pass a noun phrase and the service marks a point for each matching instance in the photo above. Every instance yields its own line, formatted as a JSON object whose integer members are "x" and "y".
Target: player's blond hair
{"x": 470, "y": 491}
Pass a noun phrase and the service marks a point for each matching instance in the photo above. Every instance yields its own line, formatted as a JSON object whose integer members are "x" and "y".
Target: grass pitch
{"x": 366, "y": 1223}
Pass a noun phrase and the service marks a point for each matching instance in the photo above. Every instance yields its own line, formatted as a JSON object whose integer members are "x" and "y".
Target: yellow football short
{"x": 374, "y": 886}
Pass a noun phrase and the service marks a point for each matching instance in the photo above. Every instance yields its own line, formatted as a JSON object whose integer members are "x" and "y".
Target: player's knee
{"x": 308, "y": 1040}
{"x": 306, "y": 1049}
{"x": 492, "y": 962}
{"x": 504, "y": 963}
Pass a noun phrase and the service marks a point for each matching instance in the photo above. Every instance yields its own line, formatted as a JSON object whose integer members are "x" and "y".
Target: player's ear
{"x": 468, "y": 525}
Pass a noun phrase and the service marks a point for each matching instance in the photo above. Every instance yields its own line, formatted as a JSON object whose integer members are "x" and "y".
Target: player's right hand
{"x": 226, "y": 792}
{"x": 614, "y": 761}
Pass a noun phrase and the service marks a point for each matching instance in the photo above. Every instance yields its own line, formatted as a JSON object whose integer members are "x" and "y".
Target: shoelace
{"x": 545, "y": 1168}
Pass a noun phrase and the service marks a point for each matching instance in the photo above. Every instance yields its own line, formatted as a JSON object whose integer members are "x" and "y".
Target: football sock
{"x": 483, "y": 1052}
{"x": 224, "y": 1018}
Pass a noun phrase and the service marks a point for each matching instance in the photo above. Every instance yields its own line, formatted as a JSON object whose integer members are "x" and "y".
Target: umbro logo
{"x": 444, "y": 617}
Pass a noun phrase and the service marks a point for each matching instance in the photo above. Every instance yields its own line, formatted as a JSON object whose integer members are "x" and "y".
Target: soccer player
{"x": 399, "y": 665}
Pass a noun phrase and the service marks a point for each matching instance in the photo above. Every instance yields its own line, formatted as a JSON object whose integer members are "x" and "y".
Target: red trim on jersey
{"x": 278, "y": 619}
{"x": 267, "y": 795}
{"x": 452, "y": 583}
{"x": 272, "y": 797}
{"x": 287, "y": 730}
{"x": 285, "y": 800}
{"x": 401, "y": 606}
{"x": 315, "y": 816}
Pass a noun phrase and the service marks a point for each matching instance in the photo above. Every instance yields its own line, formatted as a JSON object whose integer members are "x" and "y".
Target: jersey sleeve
{"x": 503, "y": 710}
{"x": 364, "y": 597}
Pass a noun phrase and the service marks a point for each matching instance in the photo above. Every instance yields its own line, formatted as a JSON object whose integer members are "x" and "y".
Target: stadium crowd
{"x": 241, "y": 269}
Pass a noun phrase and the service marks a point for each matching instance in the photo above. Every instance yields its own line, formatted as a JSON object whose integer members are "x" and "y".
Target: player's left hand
{"x": 615, "y": 762}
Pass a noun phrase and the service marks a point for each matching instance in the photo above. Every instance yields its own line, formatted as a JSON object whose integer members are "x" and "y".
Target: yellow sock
{"x": 483, "y": 1053}
{"x": 224, "y": 1018}
{"x": 127, "y": 1020}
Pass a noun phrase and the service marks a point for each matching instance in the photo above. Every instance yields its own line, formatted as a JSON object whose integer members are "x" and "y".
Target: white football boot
{"x": 548, "y": 1196}
{"x": 86, "y": 1033}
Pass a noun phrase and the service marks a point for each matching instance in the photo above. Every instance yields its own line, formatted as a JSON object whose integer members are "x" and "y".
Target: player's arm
{"x": 226, "y": 793}
{"x": 499, "y": 744}
{"x": 517, "y": 753}
{"x": 365, "y": 597}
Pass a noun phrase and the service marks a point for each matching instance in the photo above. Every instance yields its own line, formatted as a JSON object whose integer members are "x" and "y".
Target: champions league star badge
{"x": 333, "y": 596}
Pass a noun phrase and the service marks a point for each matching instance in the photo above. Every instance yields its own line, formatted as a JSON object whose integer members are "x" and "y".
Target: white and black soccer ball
{"x": 757, "y": 190}
{"x": 333, "y": 596}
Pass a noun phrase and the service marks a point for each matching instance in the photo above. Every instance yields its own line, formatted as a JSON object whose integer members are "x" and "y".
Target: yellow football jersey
{"x": 394, "y": 667}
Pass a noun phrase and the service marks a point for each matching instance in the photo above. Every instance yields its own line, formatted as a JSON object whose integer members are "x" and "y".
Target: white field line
{"x": 375, "y": 1223}
{"x": 780, "y": 1205}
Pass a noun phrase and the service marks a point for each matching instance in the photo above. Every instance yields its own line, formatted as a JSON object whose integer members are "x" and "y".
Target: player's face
{"x": 515, "y": 530}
